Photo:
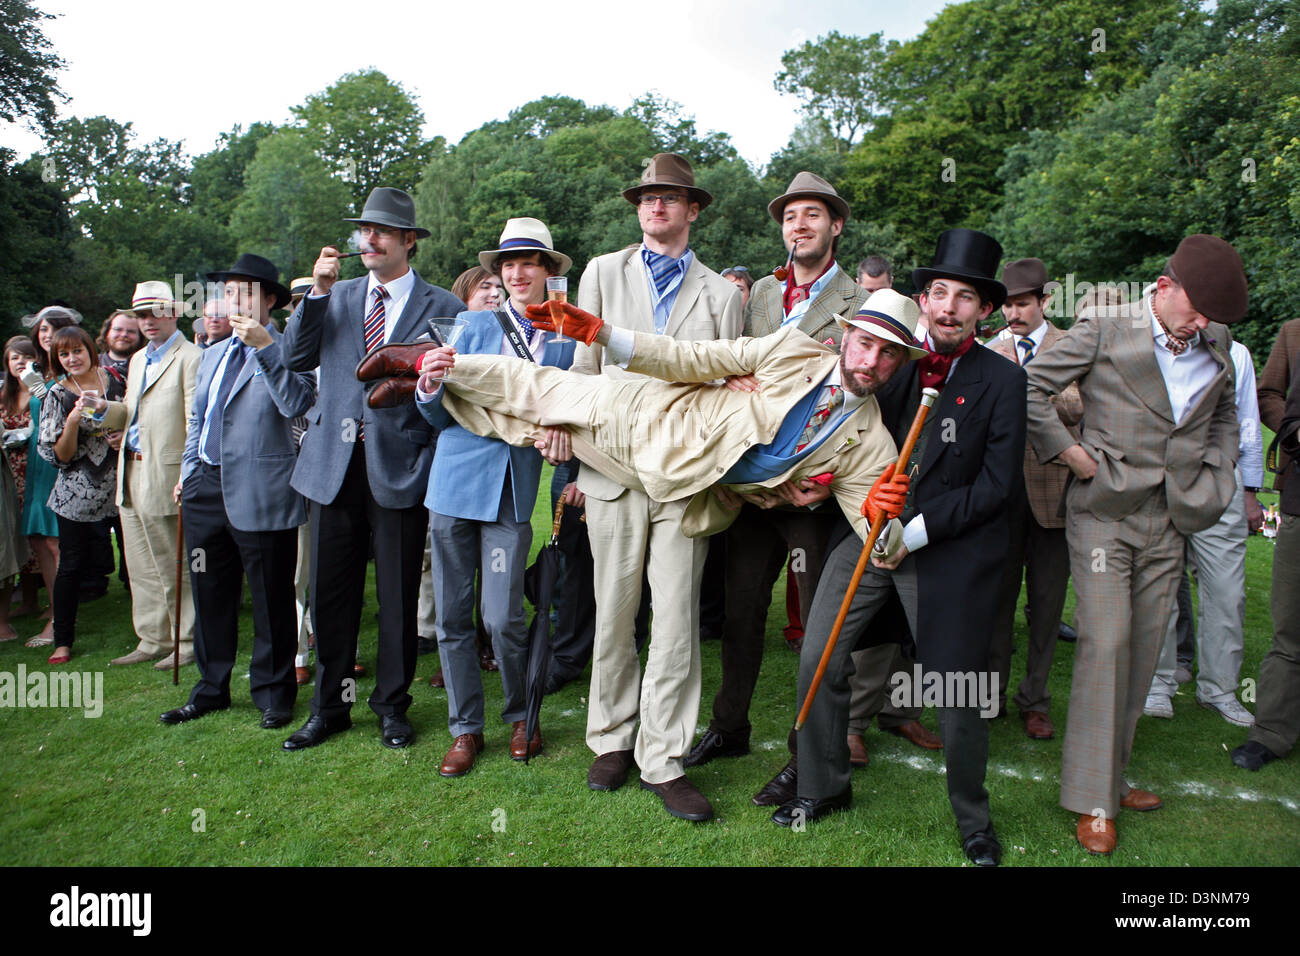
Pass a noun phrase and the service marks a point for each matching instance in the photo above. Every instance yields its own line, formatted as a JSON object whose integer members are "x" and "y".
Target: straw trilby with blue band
{"x": 524, "y": 234}
{"x": 891, "y": 316}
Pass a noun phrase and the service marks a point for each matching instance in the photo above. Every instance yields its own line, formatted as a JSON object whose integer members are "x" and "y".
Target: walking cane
{"x": 180, "y": 562}
{"x": 928, "y": 395}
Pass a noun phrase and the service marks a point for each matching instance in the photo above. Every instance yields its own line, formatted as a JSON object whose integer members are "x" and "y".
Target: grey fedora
{"x": 386, "y": 206}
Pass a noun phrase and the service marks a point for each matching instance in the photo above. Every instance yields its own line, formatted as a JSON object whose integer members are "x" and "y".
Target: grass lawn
{"x": 125, "y": 790}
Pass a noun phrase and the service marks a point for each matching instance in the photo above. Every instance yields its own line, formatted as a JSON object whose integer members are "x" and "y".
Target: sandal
{"x": 40, "y": 640}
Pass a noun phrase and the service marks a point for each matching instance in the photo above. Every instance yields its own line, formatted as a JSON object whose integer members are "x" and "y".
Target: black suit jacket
{"x": 971, "y": 471}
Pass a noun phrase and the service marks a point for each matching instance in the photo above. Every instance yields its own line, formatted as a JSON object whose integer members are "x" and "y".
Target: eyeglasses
{"x": 668, "y": 199}
{"x": 383, "y": 232}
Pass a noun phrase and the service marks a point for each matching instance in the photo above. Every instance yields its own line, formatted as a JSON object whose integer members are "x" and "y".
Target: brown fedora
{"x": 806, "y": 185}
{"x": 1024, "y": 275}
{"x": 669, "y": 169}
{"x": 1210, "y": 272}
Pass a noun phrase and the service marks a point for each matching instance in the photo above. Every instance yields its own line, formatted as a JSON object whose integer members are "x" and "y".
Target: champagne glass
{"x": 449, "y": 331}
{"x": 94, "y": 404}
{"x": 557, "y": 293}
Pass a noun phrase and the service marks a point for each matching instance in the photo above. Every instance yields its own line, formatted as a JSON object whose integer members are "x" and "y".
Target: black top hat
{"x": 262, "y": 270}
{"x": 386, "y": 206}
{"x": 969, "y": 256}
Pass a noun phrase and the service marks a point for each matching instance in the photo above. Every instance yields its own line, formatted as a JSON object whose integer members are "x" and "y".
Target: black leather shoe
{"x": 983, "y": 848}
{"x": 781, "y": 789}
{"x": 273, "y": 719}
{"x": 395, "y": 731}
{"x": 715, "y": 744}
{"x": 188, "y": 712}
{"x": 1066, "y": 633}
{"x": 808, "y": 809}
{"x": 316, "y": 731}
{"x": 1251, "y": 755}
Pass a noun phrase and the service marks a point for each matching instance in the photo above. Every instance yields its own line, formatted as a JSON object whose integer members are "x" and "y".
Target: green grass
{"x": 122, "y": 789}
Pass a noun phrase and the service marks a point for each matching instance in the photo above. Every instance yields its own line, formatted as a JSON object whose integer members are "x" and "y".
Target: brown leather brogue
{"x": 302, "y": 675}
{"x": 1140, "y": 800}
{"x": 392, "y": 392}
{"x": 437, "y": 680}
{"x": 460, "y": 758}
{"x": 1038, "y": 725}
{"x": 858, "y": 756}
{"x": 913, "y": 732}
{"x": 520, "y": 747}
{"x": 609, "y": 771}
{"x": 1097, "y": 835}
{"x": 398, "y": 358}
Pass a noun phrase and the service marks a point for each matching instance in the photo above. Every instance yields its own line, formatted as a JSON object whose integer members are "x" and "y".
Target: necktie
{"x": 662, "y": 270}
{"x": 234, "y": 365}
{"x": 523, "y": 322}
{"x": 932, "y": 370}
{"x": 822, "y": 412}
{"x": 1027, "y": 344}
{"x": 374, "y": 325}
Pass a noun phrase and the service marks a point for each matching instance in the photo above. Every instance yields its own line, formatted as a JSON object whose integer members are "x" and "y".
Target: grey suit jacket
{"x": 842, "y": 296}
{"x": 1128, "y": 423}
{"x": 615, "y": 287}
{"x": 327, "y": 332}
{"x": 258, "y": 452}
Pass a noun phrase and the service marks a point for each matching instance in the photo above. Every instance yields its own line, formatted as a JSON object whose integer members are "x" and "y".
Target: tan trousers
{"x": 627, "y": 534}
{"x": 150, "y": 542}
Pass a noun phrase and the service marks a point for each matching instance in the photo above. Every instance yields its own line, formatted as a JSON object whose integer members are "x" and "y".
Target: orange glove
{"x": 887, "y": 496}
{"x": 577, "y": 323}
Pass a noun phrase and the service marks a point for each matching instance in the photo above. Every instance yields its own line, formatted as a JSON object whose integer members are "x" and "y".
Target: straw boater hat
{"x": 668, "y": 169}
{"x": 968, "y": 256}
{"x": 260, "y": 270}
{"x": 300, "y": 287}
{"x": 806, "y": 185}
{"x": 386, "y": 206}
{"x": 891, "y": 316}
{"x": 154, "y": 296}
{"x": 524, "y": 235}
{"x": 1210, "y": 272}
{"x": 1024, "y": 275}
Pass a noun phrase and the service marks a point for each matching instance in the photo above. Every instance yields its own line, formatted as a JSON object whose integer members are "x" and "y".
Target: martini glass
{"x": 449, "y": 331}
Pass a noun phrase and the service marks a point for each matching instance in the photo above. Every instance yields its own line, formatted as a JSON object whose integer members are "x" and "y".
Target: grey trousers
{"x": 1277, "y": 707}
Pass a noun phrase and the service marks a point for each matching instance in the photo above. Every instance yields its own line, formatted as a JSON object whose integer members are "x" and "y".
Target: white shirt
{"x": 1250, "y": 445}
{"x": 536, "y": 344}
{"x": 399, "y": 290}
{"x": 1035, "y": 336}
{"x": 1186, "y": 376}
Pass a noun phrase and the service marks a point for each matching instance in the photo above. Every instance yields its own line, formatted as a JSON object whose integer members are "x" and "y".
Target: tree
{"x": 839, "y": 79}
{"x": 217, "y": 177}
{"x": 368, "y": 130}
{"x": 28, "y": 89}
{"x": 35, "y": 242}
{"x": 84, "y": 153}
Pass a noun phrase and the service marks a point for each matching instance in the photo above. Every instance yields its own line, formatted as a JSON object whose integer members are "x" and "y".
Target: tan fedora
{"x": 891, "y": 316}
{"x": 1210, "y": 272}
{"x": 1024, "y": 275}
{"x": 524, "y": 234}
{"x": 669, "y": 169}
{"x": 153, "y": 296}
{"x": 806, "y": 185}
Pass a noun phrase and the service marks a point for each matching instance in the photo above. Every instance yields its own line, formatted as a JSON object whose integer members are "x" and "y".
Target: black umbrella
{"x": 539, "y": 585}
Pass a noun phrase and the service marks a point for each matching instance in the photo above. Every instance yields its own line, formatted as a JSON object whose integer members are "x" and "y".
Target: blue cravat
{"x": 662, "y": 269}
{"x": 523, "y": 323}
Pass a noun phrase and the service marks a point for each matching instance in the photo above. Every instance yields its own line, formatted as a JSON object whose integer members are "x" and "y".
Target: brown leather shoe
{"x": 520, "y": 748}
{"x": 392, "y": 392}
{"x": 460, "y": 758}
{"x": 858, "y": 756}
{"x": 1037, "y": 724}
{"x": 913, "y": 732}
{"x": 397, "y": 358}
{"x": 609, "y": 772}
{"x": 302, "y": 675}
{"x": 682, "y": 799}
{"x": 359, "y": 670}
{"x": 1140, "y": 800}
{"x": 437, "y": 679}
{"x": 1097, "y": 835}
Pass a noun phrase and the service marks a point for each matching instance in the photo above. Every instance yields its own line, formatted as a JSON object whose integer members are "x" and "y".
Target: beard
{"x": 854, "y": 381}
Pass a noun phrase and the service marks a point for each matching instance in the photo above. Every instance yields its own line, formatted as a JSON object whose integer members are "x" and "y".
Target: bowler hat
{"x": 524, "y": 235}
{"x": 668, "y": 169}
{"x": 891, "y": 316}
{"x": 806, "y": 185}
{"x": 1210, "y": 272}
{"x": 260, "y": 270}
{"x": 386, "y": 206}
{"x": 969, "y": 256}
{"x": 1024, "y": 275}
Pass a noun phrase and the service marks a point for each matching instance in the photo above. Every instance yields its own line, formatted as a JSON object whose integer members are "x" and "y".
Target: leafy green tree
{"x": 217, "y": 176}
{"x": 29, "y": 91}
{"x": 840, "y": 81}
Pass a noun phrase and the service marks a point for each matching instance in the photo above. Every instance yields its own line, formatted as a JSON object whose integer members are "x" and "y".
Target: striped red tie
{"x": 374, "y": 327}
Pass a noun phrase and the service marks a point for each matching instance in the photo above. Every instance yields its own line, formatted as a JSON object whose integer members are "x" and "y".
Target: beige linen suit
{"x": 670, "y": 443}
{"x": 1156, "y": 480}
{"x": 144, "y": 492}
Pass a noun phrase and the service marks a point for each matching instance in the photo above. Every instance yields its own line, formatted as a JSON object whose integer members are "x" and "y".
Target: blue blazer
{"x": 468, "y": 471}
{"x": 258, "y": 453}
{"x": 326, "y": 332}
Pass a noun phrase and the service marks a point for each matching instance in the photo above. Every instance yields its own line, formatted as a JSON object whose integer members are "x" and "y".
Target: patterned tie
{"x": 523, "y": 322}
{"x": 820, "y": 414}
{"x": 234, "y": 365}
{"x": 1027, "y": 344}
{"x": 374, "y": 325}
{"x": 662, "y": 270}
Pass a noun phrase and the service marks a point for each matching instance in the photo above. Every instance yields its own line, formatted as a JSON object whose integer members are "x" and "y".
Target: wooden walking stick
{"x": 180, "y": 563}
{"x": 928, "y": 396}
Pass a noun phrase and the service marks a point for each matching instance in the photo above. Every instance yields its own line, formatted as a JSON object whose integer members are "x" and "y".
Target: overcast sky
{"x": 187, "y": 72}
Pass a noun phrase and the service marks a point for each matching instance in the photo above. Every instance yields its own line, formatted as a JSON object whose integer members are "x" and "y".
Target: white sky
{"x": 189, "y": 71}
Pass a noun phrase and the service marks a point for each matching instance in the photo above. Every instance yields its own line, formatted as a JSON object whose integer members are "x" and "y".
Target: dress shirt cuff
{"x": 915, "y": 536}
{"x": 423, "y": 397}
{"x": 620, "y": 347}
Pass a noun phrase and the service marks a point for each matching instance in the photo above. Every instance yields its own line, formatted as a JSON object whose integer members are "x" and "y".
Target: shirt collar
{"x": 1035, "y": 336}
{"x": 397, "y": 288}
{"x": 851, "y": 401}
{"x": 1158, "y": 330}
{"x": 154, "y": 353}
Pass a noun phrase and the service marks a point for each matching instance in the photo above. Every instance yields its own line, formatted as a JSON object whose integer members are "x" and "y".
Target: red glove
{"x": 887, "y": 496}
{"x": 577, "y": 323}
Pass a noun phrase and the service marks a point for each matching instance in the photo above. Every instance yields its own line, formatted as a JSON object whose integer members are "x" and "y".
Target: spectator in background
{"x": 15, "y": 411}
{"x": 739, "y": 277}
{"x": 875, "y": 273}
{"x": 118, "y": 341}
{"x": 216, "y": 322}
{"x": 479, "y": 289}
{"x": 74, "y": 439}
